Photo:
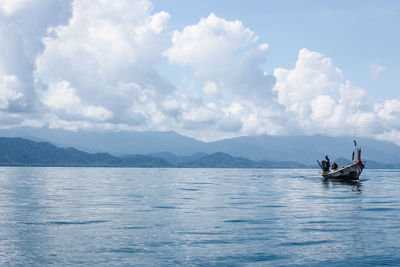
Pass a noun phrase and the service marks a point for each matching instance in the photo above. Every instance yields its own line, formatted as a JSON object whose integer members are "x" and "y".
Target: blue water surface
{"x": 197, "y": 217}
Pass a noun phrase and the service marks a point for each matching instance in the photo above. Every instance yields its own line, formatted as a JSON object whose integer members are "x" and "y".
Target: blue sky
{"x": 205, "y": 69}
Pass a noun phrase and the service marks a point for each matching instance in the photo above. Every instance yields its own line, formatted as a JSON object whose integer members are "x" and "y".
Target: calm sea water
{"x": 206, "y": 217}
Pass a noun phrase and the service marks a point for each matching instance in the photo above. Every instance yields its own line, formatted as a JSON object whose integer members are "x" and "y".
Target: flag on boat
{"x": 355, "y": 143}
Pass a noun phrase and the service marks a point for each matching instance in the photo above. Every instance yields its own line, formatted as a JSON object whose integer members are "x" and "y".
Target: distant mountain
{"x": 302, "y": 149}
{"x": 341, "y": 161}
{"x": 282, "y": 164}
{"x": 144, "y": 161}
{"x": 223, "y": 160}
{"x": 178, "y": 160}
{"x": 220, "y": 160}
{"x": 305, "y": 149}
{"x": 116, "y": 143}
{"x": 22, "y": 152}
{"x": 370, "y": 164}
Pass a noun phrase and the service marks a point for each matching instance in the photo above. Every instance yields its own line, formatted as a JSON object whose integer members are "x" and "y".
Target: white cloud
{"x": 390, "y": 111}
{"x": 322, "y": 107}
{"x": 376, "y": 69}
{"x": 212, "y": 39}
{"x": 210, "y": 88}
{"x": 9, "y": 91}
{"x": 61, "y": 97}
{"x": 223, "y": 64}
{"x": 391, "y": 136}
{"x": 109, "y": 53}
{"x": 22, "y": 26}
{"x": 320, "y": 101}
{"x": 313, "y": 75}
{"x": 223, "y": 53}
{"x": 11, "y": 6}
{"x": 353, "y": 98}
{"x": 106, "y": 43}
{"x": 389, "y": 118}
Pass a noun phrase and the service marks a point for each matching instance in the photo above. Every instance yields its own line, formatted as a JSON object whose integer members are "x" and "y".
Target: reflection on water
{"x": 208, "y": 217}
{"x": 356, "y": 186}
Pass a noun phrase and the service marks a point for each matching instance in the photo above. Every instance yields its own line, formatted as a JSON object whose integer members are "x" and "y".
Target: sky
{"x": 205, "y": 69}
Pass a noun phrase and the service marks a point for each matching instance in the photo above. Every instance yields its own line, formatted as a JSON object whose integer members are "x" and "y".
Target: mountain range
{"x": 177, "y": 149}
{"x": 24, "y": 152}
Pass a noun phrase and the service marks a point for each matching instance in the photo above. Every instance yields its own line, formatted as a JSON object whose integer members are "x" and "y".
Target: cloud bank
{"x": 105, "y": 65}
{"x": 23, "y": 24}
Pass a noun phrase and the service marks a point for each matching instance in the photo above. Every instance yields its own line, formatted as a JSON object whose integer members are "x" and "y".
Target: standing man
{"x": 328, "y": 163}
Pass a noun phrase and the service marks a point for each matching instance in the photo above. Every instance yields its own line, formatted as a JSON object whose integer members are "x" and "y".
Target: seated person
{"x": 334, "y": 166}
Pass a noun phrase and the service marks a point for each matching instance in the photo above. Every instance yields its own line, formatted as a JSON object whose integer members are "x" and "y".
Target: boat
{"x": 350, "y": 172}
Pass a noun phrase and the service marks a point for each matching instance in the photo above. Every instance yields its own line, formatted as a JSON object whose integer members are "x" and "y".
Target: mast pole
{"x": 355, "y": 146}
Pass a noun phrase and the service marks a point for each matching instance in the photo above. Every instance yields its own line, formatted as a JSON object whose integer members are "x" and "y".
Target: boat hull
{"x": 348, "y": 172}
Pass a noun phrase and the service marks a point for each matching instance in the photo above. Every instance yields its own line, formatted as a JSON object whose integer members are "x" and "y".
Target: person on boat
{"x": 328, "y": 163}
{"x": 334, "y": 166}
{"x": 323, "y": 165}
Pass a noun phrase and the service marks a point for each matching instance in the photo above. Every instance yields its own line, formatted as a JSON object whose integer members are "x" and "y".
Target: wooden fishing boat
{"x": 349, "y": 172}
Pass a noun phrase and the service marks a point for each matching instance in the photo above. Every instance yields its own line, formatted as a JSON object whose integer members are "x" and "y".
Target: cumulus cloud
{"x": 9, "y": 91}
{"x": 313, "y": 75}
{"x": 390, "y": 110}
{"x": 225, "y": 62}
{"x": 61, "y": 97}
{"x": 321, "y": 102}
{"x": 109, "y": 53}
{"x": 223, "y": 54}
{"x": 212, "y": 37}
{"x": 23, "y": 23}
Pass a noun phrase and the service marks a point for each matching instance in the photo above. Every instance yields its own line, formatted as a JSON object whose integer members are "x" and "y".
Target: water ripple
{"x": 197, "y": 217}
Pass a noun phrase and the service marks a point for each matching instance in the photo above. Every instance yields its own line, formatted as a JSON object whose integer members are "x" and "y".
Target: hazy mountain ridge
{"x": 302, "y": 149}
{"x": 116, "y": 143}
{"x": 370, "y": 164}
{"x": 223, "y": 160}
{"x": 178, "y": 160}
{"x": 23, "y": 152}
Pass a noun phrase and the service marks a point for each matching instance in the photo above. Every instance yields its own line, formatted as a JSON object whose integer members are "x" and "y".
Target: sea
{"x": 197, "y": 217}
